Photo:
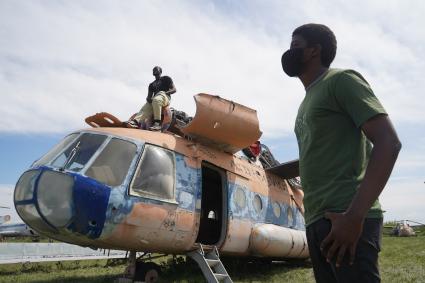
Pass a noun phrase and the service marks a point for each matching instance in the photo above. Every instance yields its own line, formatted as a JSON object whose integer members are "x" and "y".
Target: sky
{"x": 61, "y": 61}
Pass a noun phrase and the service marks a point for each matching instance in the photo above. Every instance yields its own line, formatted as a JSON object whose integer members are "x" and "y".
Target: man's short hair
{"x": 319, "y": 34}
{"x": 159, "y": 68}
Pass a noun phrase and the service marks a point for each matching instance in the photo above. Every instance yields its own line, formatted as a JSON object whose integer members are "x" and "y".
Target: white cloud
{"x": 78, "y": 60}
{"x": 62, "y": 61}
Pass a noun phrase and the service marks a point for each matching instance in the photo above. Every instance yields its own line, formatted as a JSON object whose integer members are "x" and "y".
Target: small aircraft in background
{"x": 405, "y": 228}
{"x": 189, "y": 190}
{"x": 14, "y": 229}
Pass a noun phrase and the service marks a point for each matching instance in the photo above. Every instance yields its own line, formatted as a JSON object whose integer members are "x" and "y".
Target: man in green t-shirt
{"x": 347, "y": 148}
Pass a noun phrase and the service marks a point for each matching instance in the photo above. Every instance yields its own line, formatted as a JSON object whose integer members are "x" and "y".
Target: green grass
{"x": 401, "y": 260}
{"x": 69, "y": 271}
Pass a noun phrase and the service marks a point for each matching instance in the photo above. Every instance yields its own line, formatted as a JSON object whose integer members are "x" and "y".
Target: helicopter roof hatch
{"x": 223, "y": 124}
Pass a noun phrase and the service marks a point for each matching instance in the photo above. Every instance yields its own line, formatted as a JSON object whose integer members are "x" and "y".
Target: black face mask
{"x": 292, "y": 62}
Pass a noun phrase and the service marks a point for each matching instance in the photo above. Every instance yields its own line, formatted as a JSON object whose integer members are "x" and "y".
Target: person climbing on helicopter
{"x": 159, "y": 96}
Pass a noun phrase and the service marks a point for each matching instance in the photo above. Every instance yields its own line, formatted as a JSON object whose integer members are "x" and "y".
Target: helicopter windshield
{"x": 55, "y": 150}
{"x": 112, "y": 164}
{"x": 88, "y": 154}
{"x": 79, "y": 153}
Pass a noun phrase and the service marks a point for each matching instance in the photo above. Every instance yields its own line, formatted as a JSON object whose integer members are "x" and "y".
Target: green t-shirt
{"x": 334, "y": 152}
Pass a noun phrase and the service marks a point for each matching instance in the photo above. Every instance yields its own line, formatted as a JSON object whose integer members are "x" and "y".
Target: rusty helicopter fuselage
{"x": 137, "y": 190}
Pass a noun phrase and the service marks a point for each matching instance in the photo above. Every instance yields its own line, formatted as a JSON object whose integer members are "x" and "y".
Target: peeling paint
{"x": 186, "y": 200}
{"x": 142, "y": 223}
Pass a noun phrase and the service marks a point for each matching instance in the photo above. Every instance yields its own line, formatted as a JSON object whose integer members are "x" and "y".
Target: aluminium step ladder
{"x": 210, "y": 264}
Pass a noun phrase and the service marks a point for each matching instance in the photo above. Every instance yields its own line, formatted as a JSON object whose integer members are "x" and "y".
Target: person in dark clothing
{"x": 341, "y": 173}
{"x": 159, "y": 96}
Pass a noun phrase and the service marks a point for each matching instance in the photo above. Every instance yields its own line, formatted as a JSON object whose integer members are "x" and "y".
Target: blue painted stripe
{"x": 266, "y": 215}
{"x": 188, "y": 184}
{"x": 90, "y": 202}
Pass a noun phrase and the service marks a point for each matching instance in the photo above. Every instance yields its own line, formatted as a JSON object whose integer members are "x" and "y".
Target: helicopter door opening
{"x": 213, "y": 221}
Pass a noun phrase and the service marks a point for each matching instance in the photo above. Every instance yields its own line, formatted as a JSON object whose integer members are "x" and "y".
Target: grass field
{"x": 401, "y": 260}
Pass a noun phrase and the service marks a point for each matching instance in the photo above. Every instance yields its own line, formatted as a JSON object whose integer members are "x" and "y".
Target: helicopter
{"x": 404, "y": 228}
{"x": 203, "y": 187}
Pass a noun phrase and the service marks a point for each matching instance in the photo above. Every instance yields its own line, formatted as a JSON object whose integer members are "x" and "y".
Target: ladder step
{"x": 220, "y": 276}
{"x": 211, "y": 255}
{"x": 212, "y": 262}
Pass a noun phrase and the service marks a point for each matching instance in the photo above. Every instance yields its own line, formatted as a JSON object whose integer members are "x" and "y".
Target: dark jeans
{"x": 365, "y": 267}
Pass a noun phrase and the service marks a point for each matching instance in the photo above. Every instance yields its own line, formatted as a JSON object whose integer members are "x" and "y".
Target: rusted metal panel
{"x": 223, "y": 124}
{"x": 239, "y": 219}
{"x": 237, "y": 240}
{"x": 150, "y": 227}
{"x": 187, "y": 227}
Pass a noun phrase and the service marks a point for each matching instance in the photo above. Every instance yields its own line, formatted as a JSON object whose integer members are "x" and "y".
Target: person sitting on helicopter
{"x": 159, "y": 96}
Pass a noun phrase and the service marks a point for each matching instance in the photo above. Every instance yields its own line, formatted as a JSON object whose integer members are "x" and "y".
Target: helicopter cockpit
{"x": 104, "y": 158}
{"x": 69, "y": 187}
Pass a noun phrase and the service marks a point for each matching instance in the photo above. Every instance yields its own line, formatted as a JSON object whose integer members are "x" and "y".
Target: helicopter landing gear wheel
{"x": 147, "y": 272}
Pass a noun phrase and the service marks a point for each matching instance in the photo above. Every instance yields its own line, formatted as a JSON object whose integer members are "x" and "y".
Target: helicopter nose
{"x": 43, "y": 199}
{"x": 52, "y": 202}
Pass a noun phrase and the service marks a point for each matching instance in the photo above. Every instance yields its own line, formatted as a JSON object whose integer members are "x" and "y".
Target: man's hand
{"x": 347, "y": 227}
{"x": 343, "y": 237}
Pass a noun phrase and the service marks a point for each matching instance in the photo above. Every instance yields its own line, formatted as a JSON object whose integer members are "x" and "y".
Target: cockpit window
{"x": 155, "y": 174}
{"x": 55, "y": 151}
{"x": 79, "y": 153}
{"x": 113, "y": 163}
